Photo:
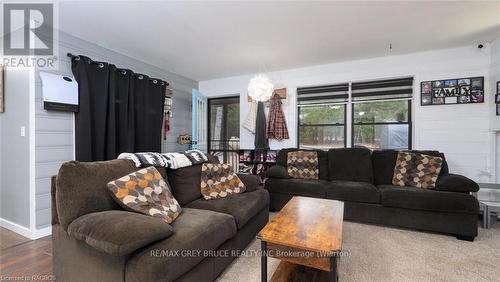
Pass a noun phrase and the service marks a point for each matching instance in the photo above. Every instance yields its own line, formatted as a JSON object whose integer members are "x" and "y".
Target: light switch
{"x": 23, "y": 131}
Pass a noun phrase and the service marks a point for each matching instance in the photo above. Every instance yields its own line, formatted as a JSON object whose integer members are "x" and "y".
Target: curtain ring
{"x": 162, "y": 83}
{"x": 77, "y": 58}
{"x": 124, "y": 72}
{"x": 141, "y": 77}
{"x": 101, "y": 65}
{"x": 155, "y": 81}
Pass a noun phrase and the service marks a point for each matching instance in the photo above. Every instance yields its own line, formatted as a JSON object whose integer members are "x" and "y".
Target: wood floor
{"x": 24, "y": 259}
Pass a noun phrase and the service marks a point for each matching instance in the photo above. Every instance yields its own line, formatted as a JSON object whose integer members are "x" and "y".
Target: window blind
{"x": 383, "y": 89}
{"x": 338, "y": 93}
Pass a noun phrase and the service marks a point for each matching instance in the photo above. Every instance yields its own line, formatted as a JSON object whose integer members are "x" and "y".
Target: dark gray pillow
{"x": 185, "y": 183}
{"x": 352, "y": 164}
{"x": 119, "y": 233}
{"x": 252, "y": 182}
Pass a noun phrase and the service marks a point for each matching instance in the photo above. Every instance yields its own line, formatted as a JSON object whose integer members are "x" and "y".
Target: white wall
{"x": 15, "y": 151}
{"x": 495, "y": 120}
{"x": 462, "y": 132}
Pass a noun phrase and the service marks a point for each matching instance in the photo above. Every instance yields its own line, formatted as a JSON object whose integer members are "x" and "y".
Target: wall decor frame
{"x": 497, "y": 98}
{"x": 2, "y": 101}
{"x": 466, "y": 90}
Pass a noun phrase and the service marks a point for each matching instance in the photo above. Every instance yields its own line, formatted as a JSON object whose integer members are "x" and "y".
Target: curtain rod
{"x": 101, "y": 64}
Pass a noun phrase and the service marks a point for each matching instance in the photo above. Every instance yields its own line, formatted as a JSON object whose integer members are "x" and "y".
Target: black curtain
{"x": 119, "y": 111}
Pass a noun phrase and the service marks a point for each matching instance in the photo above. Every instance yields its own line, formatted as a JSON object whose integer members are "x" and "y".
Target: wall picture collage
{"x": 497, "y": 98}
{"x": 452, "y": 91}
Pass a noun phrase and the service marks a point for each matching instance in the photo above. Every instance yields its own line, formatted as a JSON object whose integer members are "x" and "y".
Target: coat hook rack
{"x": 281, "y": 92}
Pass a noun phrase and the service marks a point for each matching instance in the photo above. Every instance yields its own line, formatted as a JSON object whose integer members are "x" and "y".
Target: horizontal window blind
{"x": 338, "y": 93}
{"x": 383, "y": 89}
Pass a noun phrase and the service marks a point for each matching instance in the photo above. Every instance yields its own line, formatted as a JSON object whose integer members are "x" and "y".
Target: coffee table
{"x": 306, "y": 235}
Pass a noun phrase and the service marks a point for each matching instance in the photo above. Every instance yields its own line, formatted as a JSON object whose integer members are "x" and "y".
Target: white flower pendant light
{"x": 260, "y": 88}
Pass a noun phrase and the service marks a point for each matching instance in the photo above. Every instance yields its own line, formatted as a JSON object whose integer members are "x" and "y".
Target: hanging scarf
{"x": 261, "y": 141}
{"x": 276, "y": 126}
{"x": 249, "y": 122}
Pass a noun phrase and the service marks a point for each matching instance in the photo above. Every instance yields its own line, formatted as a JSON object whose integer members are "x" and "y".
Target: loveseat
{"x": 94, "y": 239}
{"x": 363, "y": 180}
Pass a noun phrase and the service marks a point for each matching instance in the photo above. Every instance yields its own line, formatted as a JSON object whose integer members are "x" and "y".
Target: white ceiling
{"x": 206, "y": 40}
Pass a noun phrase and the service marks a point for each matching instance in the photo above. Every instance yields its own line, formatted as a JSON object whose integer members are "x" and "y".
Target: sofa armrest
{"x": 117, "y": 232}
{"x": 252, "y": 182}
{"x": 456, "y": 183}
{"x": 277, "y": 171}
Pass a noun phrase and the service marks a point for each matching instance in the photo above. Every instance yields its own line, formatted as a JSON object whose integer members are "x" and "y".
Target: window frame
{"x": 409, "y": 122}
{"x": 225, "y": 102}
{"x": 323, "y": 124}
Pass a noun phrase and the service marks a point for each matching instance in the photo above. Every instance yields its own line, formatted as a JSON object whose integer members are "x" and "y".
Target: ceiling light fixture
{"x": 260, "y": 88}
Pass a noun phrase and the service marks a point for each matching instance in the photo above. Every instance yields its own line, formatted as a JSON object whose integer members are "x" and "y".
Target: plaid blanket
{"x": 168, "y": 160}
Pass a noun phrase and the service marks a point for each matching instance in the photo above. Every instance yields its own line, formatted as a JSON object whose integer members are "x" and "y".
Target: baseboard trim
{"x": 39, "y": 233}
{"x": 25, "y": 231}
{"x": 19, "y": 229}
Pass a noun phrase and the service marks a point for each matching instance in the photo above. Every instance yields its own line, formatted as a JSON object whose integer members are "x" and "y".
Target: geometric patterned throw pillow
{"x": 416, "y": 170}
{"x": 145, "y": 191}
{"x": 219, "y": 181}
{"x": 303, "y": 164}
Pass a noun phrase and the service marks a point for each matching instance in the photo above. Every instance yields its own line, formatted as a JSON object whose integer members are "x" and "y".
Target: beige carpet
{"x": 391, "y": 254}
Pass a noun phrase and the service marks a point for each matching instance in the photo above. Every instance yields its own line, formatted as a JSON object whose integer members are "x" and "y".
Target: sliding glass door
{"x": 224, "y": 129}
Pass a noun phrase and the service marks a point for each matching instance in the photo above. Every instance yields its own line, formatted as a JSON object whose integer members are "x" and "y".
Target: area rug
{"x": 391, "y": 254}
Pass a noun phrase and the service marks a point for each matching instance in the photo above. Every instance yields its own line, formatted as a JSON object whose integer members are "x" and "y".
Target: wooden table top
{"x": 308, "y": 224}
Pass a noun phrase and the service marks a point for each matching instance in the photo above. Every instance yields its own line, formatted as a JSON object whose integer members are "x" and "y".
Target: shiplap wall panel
{"x": 54, "y": 130}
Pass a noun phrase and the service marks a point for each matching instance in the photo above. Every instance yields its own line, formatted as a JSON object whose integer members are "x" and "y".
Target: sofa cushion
{"x": 429, "y": 200}
{"x": 196, "y": 232}
{"x": 219, "y": 181}
{"x": 252, "y": 182}
{"x": 242, "y": 207}
{"x": 185, "y": 183}
{"x": 303, "y": 164}
{"x": 384, "y": 162}
{"x": 456, "y": 183}
{"x": 276, "y": 171}
{"x": 146, "y": 192}
{"x": 352, "y": 191}
{"x": 297, "y": 187}
{"x": 81, "y": 187}
{"x": 352, "y": 164}
{"x": 322, "y": 159}
{"x": 416, "y": 170}
{"x": 118, "y": 233}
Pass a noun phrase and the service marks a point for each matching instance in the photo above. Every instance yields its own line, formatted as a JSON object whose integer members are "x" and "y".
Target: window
{"x": 381, "y": 114}
{"x": 224, "y": 129}
{"x": 322, "y": 115}
{"x": 322, "y": 126}
{"x": 382, "y": 124}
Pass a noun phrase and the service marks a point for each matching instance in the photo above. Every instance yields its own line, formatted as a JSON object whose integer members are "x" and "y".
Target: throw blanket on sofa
{"x": 168, "y": 160}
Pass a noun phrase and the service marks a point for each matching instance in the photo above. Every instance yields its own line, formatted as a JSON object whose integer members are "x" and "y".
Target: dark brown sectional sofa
{"x": 94, "y": 239}
{"x": 363, "y": 180}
